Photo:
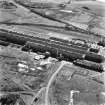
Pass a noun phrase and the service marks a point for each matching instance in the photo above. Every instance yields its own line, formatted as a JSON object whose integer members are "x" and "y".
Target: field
{"x": 49, "y": 81}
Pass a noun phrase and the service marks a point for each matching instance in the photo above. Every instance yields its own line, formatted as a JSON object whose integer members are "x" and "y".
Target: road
{"x": 51, "y": 80}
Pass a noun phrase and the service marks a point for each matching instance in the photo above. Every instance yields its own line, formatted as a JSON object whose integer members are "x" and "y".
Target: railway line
{"x": 70, "y": 32}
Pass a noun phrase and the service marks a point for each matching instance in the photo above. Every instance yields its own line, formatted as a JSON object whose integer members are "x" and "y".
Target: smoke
{"x": 101, "y": 0}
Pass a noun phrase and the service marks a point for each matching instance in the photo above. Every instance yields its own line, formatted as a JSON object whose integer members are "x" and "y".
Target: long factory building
{"x": 80, "y": 54}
